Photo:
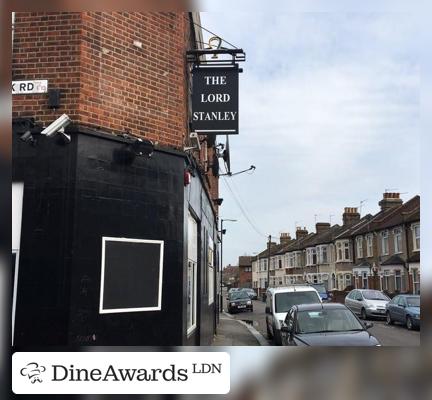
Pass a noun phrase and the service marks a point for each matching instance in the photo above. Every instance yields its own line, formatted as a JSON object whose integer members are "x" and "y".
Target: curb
{"x": 258, "y": 336}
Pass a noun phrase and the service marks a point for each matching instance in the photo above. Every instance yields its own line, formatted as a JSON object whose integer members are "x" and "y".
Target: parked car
{"x": 324, "y": 294}
{"x": 252, "y": 294}
{"x": 280, "y": 300}
{"x": 239, "y": 301}
{"x": 230, "y": 291}
{"x": 329, "y": 324}
{"x": 367, "y": 303}
{"x": 404, "y": 308}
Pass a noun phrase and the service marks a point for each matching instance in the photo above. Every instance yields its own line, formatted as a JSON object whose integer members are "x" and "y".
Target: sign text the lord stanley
{"x": 215, "y": 101}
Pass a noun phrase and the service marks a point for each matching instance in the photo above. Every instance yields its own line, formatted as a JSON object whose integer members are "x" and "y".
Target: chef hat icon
{"x": 33, "y": 371}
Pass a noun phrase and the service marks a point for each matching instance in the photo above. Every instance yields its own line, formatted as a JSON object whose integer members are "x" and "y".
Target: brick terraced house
{"x": 380, "y": 251}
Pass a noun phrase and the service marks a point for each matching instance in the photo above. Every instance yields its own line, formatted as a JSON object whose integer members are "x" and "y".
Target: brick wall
{"x": 106, "y": 82}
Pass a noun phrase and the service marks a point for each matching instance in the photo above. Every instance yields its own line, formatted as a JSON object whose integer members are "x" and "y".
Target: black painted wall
{"x": 73, "y": 196}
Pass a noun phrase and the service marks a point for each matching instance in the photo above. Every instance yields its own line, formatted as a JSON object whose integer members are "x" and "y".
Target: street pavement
{"x": 387, "y": 335}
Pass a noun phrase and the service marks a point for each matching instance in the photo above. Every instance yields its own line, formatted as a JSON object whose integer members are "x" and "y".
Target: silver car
{"x": 367, "y": 303}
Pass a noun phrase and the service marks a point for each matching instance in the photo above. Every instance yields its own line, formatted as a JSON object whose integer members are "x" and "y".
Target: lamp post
{"x": 221, "y": 260}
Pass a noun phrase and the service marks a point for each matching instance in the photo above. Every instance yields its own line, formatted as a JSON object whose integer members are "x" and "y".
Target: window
{"x": 416, "y": 280}
{"x": 210, "y": 275}
{"x": 310, "y": 256}
{"x": 131, "y": 275}
{"x": 385, "y": 280}
{"x": 365, "y": 280}
{"x": 347, "y": 280}
{"x": 397, "y": 240}
{"x": 398, "y": 281}
{"x": 292, "y": 258}
{"x": 324, "y": 254}
{"x": 384, "y": 243}
{"x": 192, "y": 274}
{"x": 369, "y": 245}
{"x": 416, "y": 237}
{"x": 280, "y": 262}
{"x": 359, "y": 242}
{"x": 343, "y": 251}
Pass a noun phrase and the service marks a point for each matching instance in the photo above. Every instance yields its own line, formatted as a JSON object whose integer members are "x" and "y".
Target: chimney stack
{"x": 322, "y": 227}
{"x": 350, "y": 216}
{"x": 285, "y": 237}
{"x": 390, "y": 200}
{"x": 301, "y": 233}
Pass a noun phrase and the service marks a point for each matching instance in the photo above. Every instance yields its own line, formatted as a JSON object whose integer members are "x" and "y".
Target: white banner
{"x": 121, "y": 373}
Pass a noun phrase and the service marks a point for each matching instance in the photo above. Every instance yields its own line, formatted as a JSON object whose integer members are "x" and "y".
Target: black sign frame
{"x": 215, "y": 96}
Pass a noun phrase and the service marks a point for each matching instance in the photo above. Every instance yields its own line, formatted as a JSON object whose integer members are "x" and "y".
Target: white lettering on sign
{"x": 215, "y": 80}
{"x": 215, "y": 98}
{"x": 30, "y": 87}
{"x": 214, "y": 116}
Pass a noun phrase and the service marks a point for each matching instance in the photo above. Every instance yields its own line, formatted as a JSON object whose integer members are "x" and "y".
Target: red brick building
{"x": 118, "y": 76}
{"x": 245, "y": 271}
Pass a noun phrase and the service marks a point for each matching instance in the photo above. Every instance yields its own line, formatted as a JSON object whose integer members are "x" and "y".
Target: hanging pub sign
{"x": 215, "y": 101}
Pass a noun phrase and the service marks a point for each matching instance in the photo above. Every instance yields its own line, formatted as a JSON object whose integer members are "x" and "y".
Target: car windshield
{"x": 284, "y": 301}
{"x": 413, "y": 301}
{"x": 321, "y": 321}
{"x": 239, "y": 295}
{"x": 374, "y": 295}
{"x": 320, "y": 288}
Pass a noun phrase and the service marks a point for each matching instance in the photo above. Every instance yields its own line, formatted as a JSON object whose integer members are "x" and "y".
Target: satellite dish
{"x": 226, "y": 156}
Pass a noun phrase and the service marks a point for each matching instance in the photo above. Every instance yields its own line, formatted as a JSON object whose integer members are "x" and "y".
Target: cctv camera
{"x": 195, "y": 140}
{"x": 57, "y": 126}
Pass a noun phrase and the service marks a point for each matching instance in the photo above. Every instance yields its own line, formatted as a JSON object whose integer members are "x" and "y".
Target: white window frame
{"x": 210, "y": 274}
{"x": 398, "y": 274}
{"x": 132, "y": 309}
{"x": 397, "y": 240}
{"x": 369, "y": 245}
{"x": 359, "y": 245}
{"x": 384, "y": 243}
{"x": 191, "y": 323}
{"x": 341, "y": 247}
{"x": 413, "y": 228}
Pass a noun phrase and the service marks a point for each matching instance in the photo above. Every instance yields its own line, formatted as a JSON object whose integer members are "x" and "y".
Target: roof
{"x": 347, "y": 230}
{"x": 326, "y": 236}
{"x": 394, "y": 260}
{"x": 363, "y": 264}
{"x": 292, "y": 288}
{"x": 320, "y": 306}
{"x": 407, "y": 212}
{"x": 245, "y": 261}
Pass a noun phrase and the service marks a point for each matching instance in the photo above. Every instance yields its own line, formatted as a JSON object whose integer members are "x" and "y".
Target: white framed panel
{"x": 142, "y": 259}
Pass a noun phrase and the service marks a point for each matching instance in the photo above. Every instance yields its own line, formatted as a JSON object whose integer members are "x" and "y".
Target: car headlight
{"x": 417, "y": 316}
{"x": 232, "y": 304}
{"x": 249, "y": 302}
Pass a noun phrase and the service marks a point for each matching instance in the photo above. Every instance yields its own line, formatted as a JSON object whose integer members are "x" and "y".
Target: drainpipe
{"x": 13, "y": 28}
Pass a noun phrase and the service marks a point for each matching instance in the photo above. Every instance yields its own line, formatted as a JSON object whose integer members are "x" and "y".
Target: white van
{"x": 279, "y": 301}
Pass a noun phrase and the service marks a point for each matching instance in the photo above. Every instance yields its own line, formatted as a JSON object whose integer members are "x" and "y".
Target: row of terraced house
{"x": 380, "y": 251}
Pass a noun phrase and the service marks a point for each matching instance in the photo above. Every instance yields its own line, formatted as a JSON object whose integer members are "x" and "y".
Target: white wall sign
{"x": 30, "y": 87}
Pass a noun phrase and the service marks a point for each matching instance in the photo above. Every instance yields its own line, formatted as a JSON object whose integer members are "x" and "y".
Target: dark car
{"x": 252, "y": 294}
{"x": 232, "y": 290}
{"x": 329, "y": 324}
{"x": 321, "y": 289}
{"x": 239, "y": 301}
{"x": 404, "y": 308}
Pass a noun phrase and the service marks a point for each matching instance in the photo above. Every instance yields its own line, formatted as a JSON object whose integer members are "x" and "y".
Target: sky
{"x": 329, "y": 115}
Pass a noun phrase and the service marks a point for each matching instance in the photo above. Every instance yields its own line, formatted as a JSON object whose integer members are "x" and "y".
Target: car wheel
{"x": 269, "y": 335}
{"x": 363, "y": 314}
{"x": 409, "y": 323}
{"x": 389, "y": 318}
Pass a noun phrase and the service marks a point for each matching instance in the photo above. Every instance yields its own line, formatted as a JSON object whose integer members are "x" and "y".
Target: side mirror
{"x": 267, "y": 310}
{"x": 284, "y": 328}
{"x": 368, "y": 325}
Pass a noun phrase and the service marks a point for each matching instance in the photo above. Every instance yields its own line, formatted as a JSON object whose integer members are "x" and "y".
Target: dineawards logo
{"x": 33, "y": 371}
{"x": 121, "y": 373}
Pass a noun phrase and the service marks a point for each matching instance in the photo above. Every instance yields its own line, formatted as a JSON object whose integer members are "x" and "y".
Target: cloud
{"x": 329, "y": 114}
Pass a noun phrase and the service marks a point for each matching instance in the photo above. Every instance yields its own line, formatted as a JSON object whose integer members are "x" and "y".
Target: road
{"x": 394, "y": 335}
